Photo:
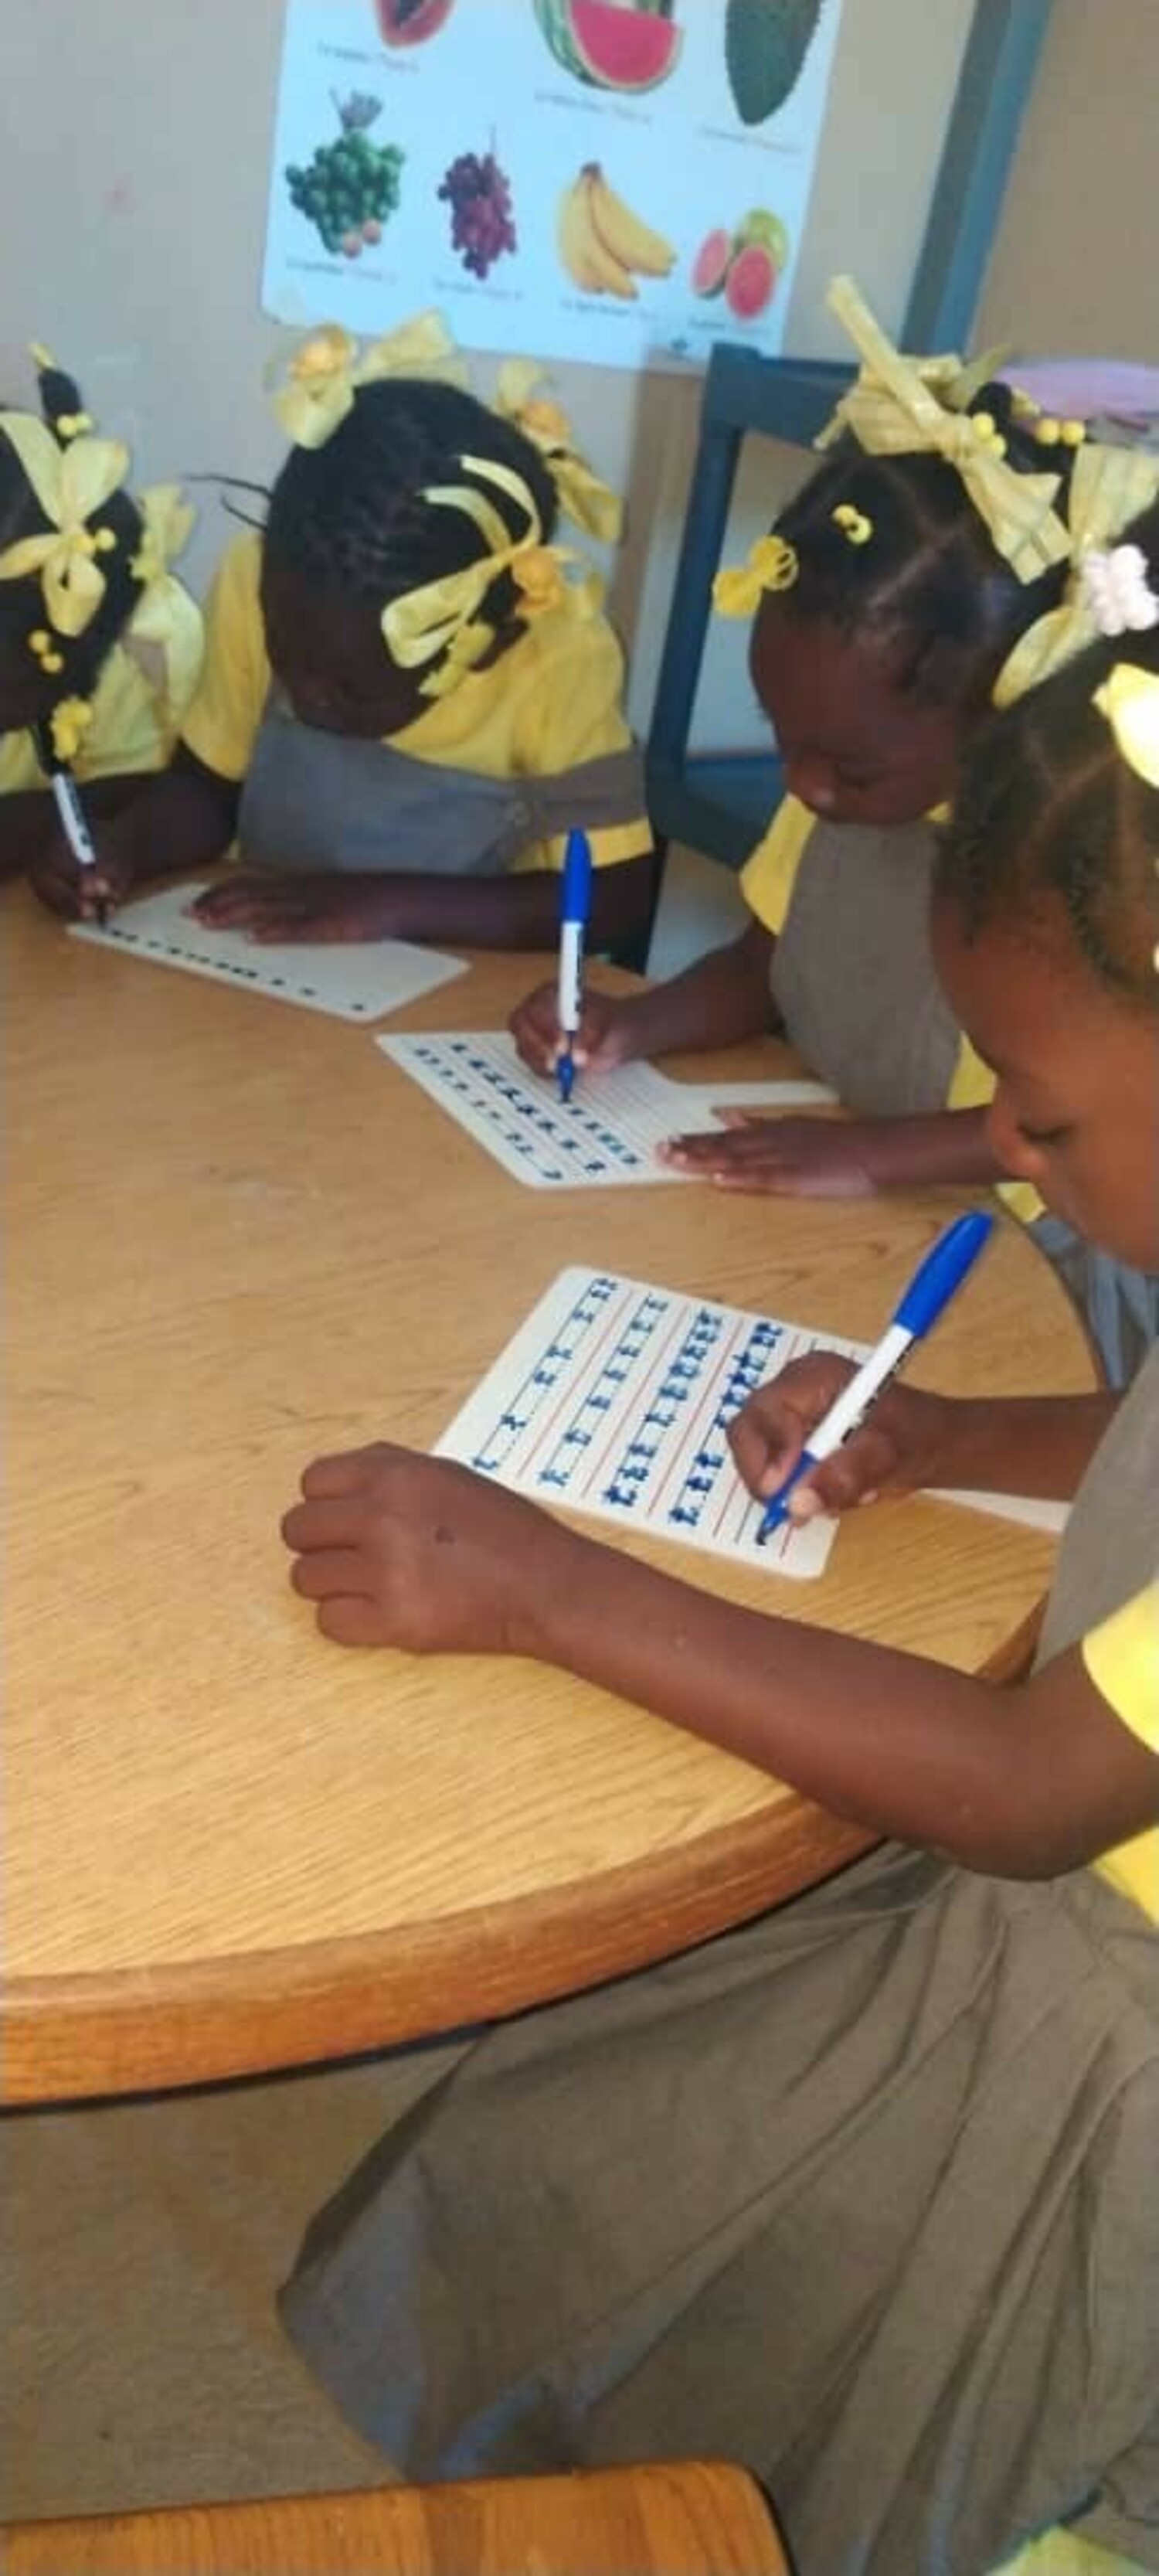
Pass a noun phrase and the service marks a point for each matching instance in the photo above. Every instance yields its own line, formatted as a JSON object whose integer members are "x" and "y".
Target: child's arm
{"x": 717, "y": 1002}
{"x": 516, "y": 911}
{"x": 812, "y": 1157}
{"x": 412, "y": 1552}
{"x": 169, "y": 826}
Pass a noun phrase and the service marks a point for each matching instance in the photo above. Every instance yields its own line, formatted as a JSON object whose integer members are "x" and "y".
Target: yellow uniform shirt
{"x": 553, "y": 701}
{"x": 1122, "y": 1658}
{"x": 132, "y": 732}
{"x": 767, "y": 883}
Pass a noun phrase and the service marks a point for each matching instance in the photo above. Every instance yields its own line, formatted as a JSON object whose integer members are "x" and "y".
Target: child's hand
{"x": 807, "y": 1158}
{"x": 401, "y": 1550}
{"x": 76, "y": 893}
{"x": 606, "y": 1035}
{"x": 283, "y": 911}
{"x": 896, "y": 1451}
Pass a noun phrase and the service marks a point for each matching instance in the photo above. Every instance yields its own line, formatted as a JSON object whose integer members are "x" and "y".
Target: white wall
{"x": 134, "y": 176}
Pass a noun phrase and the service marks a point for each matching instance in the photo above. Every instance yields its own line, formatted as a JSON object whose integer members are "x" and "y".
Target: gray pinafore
{"x": 865, "y": 2195}
{"x": 853, "y": 980}
{"x": 328, "y": 801}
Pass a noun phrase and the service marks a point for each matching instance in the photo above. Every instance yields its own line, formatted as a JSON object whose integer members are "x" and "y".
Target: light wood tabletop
{"x": 237, "y": 1238}
{"x": 697, "y": 2516}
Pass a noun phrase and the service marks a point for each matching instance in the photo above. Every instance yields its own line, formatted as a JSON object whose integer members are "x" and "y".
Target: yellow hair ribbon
{"x": 320, "y": 379}
{"x": 1129, "y": 699}
{"x": 1109, "y": 488}
{"x": 905, "y": 406}
{"x": 772, "y": 565}
{"x": 69, "y": 485}
{"x": 588, "y": 502}
{"x": 441, "y": 619}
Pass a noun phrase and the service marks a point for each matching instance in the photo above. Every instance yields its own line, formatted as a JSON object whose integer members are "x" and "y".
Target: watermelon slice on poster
{"x": 612, "y": 44}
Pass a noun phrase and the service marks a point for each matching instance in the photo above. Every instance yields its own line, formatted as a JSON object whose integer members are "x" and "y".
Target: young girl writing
{"x": 99, "y": 644}
{"x": 864, "y": 2193}
{"x": 407, "y": 699}
{"x": 922, "y": 568}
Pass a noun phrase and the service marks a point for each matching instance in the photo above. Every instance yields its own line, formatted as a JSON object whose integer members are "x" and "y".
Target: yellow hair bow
{"x": 440, "y": 617}
{"x": 70, "y": 485}
{"x": 1109, "y": 487}
{"x": 326, "y": 369}
{"x": 589, "y": 503}
{"x": 908, "y": 406}
{"x": 1129, "y": 700}
{"x": 772, "y": 565}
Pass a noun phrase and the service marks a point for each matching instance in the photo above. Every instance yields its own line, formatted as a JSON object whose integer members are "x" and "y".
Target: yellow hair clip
{"x": 854, "y": 524}
{"x": 40, "y": 644}
{"x": 68, "y": 725}
{"x": 772, "y": 565}
{"x": 324, "y": 372}
{"x": 1129, "y": 699}
{"x": 904, "y": 406}
{"x": 69, "y": 485}
{"x": 589, "y": 503}
{"x": 72, "y": 424}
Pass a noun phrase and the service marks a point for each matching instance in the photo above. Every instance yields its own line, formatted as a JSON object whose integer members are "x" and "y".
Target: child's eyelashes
{"x": 1042, "y": 1136}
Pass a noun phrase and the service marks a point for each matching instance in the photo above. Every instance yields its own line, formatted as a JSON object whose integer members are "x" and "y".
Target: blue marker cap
{"x": 575, "y": 899}
{"x": 941, "y": 1272}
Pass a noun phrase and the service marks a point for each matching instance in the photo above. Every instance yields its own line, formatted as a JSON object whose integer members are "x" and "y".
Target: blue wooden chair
{"x": 721, "y": 805}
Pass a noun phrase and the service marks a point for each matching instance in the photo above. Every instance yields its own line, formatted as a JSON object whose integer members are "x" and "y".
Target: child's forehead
{"x": 842, "y": 681}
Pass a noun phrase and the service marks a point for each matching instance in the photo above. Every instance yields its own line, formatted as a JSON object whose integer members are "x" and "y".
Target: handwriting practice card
{"x": 615, "y": 1399}
{"x": 608, "y": 1132}
{"x": 356, "y": 982}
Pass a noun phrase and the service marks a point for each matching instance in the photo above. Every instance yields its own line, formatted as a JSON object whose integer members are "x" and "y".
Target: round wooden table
{"x": 237, "y": 1237}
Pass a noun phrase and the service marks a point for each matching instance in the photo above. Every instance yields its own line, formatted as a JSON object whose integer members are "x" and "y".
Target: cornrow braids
{"x": 928, "y": 583}
{"x": 1048, "y": 810}
{"x": 350, "y": 516}
{"x": 21, "y": 608}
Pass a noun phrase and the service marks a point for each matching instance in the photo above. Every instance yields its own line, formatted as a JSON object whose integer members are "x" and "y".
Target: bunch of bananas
{"x": 602, "y": 244}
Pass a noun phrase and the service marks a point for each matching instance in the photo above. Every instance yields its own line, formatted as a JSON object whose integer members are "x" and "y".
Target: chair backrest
{"x": 698, "y": 2518}
{"x": 785, "y": 398}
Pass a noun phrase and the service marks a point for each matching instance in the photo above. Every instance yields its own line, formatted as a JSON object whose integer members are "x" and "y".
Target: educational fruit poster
{"x": 623, "y": 181}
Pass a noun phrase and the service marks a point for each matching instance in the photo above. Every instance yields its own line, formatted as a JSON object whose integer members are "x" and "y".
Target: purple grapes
{"x": 479, "y": 196}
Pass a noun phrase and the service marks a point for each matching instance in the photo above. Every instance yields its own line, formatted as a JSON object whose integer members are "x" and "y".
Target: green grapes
{"x": 348, "y": 191}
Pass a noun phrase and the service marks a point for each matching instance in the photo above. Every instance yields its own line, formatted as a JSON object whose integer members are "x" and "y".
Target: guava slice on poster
{"x": 751, "y": 282}
{"x": 410, "y": 22}
{"x": 768, "y": 231}
{"x": 710, "y": 266}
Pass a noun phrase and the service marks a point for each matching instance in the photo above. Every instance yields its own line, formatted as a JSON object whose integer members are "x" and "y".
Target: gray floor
{"x": 141, "y": 2362}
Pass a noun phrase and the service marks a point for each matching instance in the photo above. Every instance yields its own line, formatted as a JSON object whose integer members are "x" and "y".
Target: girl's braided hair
{"x": 21, "y": 609}
{"x": 350, "y": 516}
{"x": 1048, "y": 810}
{"x": 928, "y": 584}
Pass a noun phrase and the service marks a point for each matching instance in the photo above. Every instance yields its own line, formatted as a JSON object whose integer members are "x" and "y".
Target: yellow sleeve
{"x": 770, "y": 874}
{"x": 221, "y": 725}
{"x": 1122, "y": 1658}
{"x": 972, "y": 1087}
{"x": 577, "y": 714}
{"x": 129, "y": 736}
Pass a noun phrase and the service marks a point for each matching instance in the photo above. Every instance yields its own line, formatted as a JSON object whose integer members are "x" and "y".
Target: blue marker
{"x": 929, "y": 1292}
{"x": 575, "y": 905}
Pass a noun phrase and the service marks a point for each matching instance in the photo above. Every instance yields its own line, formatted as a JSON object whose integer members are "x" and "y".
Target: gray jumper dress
{"x": 331, "y": 802}
{"x": 865, "y": 2194}
{"x": 853, "y": 981}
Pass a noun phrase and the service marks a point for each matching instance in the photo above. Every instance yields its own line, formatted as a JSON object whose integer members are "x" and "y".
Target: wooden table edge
{"x": 269, "y": 2011}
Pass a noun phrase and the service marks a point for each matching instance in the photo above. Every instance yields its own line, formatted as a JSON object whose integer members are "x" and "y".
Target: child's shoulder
{"x": 568, "y": 642}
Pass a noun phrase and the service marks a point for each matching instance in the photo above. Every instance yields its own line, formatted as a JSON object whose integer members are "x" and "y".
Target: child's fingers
{"x": 327, "y": 1572}
{"x": 351, "y": 1620}
{"x": 346, "y": 1471}
{"x": 326, "y": 1521}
